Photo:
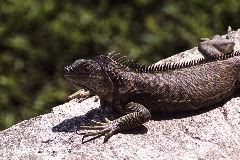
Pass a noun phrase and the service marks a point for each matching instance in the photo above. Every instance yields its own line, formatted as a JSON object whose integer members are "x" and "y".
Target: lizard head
{"x": 89, "y": 75}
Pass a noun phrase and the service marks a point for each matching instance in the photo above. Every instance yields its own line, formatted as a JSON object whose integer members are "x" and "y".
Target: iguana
{"x": 137, "y": 91}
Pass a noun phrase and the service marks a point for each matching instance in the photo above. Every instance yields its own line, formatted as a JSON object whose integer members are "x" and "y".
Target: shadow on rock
{"x": 73, "y": 124}
{"x": 184, "y": 114}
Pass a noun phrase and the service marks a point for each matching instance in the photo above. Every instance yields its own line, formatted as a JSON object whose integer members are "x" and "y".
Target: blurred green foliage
{"x": 38, "y": 38}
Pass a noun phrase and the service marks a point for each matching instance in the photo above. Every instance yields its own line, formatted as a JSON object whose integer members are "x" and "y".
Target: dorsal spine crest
{"x": 142, "y": 68}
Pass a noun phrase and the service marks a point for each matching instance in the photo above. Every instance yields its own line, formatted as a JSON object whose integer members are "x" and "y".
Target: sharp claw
{"x": 109, "y": 135}
{"x": 80, "y": 133}
{"x": 105, "y": 139}
{"x": 98, "y": 134}
{"x": 104, "y": 129}
{"x": 90, "y": 139}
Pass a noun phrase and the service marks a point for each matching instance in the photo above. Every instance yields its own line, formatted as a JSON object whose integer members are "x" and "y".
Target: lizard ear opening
{"x": 125, "y": 87}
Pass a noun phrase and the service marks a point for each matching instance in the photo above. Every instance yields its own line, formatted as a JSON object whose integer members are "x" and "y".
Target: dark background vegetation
{"x": 38, "y": 38}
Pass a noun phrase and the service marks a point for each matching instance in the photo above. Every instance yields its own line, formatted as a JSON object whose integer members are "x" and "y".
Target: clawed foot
{"x": 107, "y": 128}
{"x": 81, "y": 93}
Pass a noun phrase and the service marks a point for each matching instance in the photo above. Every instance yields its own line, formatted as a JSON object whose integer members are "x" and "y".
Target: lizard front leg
{"x": 136, "y": 115}
{"x": 81, "y": 93}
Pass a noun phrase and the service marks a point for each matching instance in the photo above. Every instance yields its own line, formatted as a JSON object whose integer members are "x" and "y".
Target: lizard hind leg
{"x": 135, "y": 115}
{"x": 215, "y": 47}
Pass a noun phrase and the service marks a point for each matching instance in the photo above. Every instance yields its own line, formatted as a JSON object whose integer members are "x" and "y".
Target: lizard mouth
{"x": 77, "y": 85}
{"x": 76, "y": 79}
{"x": 75, "y": 75}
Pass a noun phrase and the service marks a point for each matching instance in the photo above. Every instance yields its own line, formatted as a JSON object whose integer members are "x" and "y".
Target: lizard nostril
{"x": 66, "y": 69}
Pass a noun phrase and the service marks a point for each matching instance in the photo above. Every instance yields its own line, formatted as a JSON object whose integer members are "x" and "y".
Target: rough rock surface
{"x": 210, "y": 134}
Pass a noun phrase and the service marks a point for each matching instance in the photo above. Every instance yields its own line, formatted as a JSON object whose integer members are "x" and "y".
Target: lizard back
{"x": 183, "y": 89}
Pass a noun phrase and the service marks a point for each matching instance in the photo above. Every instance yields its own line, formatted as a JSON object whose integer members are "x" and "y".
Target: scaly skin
{"x": 138, "y": 95}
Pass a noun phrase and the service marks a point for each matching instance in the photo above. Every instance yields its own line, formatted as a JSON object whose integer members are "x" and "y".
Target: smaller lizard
{"x": 139, "y": 91}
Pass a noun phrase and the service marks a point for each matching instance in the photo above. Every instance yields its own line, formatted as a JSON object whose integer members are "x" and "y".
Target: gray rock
{"x": 209, "y": 134}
